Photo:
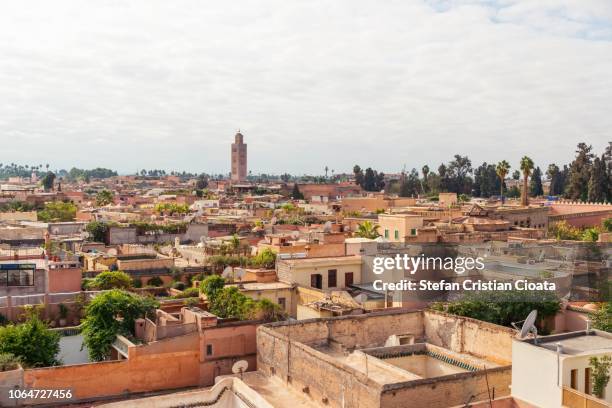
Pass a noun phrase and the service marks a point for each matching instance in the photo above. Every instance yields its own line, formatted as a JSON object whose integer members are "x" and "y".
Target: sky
{"x": 157, "y": 84}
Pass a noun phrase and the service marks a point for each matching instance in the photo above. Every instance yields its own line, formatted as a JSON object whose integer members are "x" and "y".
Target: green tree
{"x": 230, "y": 303}
{"x": 103, "y": 198}
{"x": 602, "y": 319}
{"x": 580, "y": 173}
{"x": 265, "y": 309}
{"x": 535, "y": 184}
{"x": 367, "y": 230}
{"x": 111, "y": 280}
{"x": 31, "y": 342}
{"x": 48, "y": 181}
{"x": 607, "y": 224}
{"x": 556, "y": 180}
{"x": 410, "y": 185}
{"x": 112, "y": 313}
{"x": 358, "y": 175}
{"x": 296, "y": 194}
{"x": 598, "y": 182}
{"x": 212, "y": 285}
{"x": 526, "y": 167}
{"x": 264, "y": 259}
{"x": 97, "y": 231}
{"x": 502, "y": 169}
{"x": 600, "y": 374}
{"x": 57, "y": 211}
{"x": 503, "y": 308}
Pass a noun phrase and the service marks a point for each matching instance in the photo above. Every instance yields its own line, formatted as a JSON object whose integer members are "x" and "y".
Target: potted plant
{"x": 63, "y": 313}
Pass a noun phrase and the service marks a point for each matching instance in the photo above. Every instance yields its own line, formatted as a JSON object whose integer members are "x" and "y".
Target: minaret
{"x": 239, "y": 158}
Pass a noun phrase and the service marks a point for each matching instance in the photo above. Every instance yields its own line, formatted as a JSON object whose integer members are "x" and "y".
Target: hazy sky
{"x": 166, "y": 84}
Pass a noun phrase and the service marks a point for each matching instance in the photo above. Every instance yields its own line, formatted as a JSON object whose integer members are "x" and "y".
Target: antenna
{"x": 529, "y": 326}
{"x": 240, "y": 367}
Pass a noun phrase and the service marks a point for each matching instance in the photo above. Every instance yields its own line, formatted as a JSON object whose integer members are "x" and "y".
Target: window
{"x": 332, "y": 278}
{"x": 574, "y": 379}
{"x": 316, "y": 281}
{"x": 209, "y": 350}
{"x": 386, "y": 233}
{"x": 17, "y": 277}
{"x": 412, "y": 231}
{"x": 587, "y": 380}
{"x": 396, "y": 235}
{"x": 348, "y": 279}
{"x": 281, "y": 302}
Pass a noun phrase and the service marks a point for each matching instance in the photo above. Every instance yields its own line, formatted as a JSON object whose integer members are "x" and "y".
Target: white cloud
{"x": 157, "y": 84}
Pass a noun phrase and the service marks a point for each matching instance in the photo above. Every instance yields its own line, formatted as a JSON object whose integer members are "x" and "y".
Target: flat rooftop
{"x": 577, "y": 343}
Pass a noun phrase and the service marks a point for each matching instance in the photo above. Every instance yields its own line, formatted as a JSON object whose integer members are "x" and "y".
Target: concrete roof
{"x": 579, "y": 343}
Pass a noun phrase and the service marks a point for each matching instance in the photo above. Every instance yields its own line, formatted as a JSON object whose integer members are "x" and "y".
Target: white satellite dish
{"x": 227, "y": 272}
{"x": 273, "y": 220}
{"x": 240, "y": 367}
{"x": 295, "y": 235}
{"x": 327, "y": 227}
{"x": 529, "y": 326}
{"x": 239, "y": 273}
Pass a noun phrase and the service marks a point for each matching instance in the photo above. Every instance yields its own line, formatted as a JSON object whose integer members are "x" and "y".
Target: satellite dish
{"x": 227, "y": 272}
{"x": 239, "y": 273}
{"x": 273, "y": 220}
{"x": 327, "y": 227}
{"x": 240, "y": 367}
{"x": 295, "y": 235}
{"x": 529, "y": 326}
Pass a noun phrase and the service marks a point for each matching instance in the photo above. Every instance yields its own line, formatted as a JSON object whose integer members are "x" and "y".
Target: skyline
{"x": 167, "y": 85}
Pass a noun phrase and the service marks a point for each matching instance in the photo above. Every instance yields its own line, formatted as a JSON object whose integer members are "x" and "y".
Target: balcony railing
{"x": 576, "y": 399}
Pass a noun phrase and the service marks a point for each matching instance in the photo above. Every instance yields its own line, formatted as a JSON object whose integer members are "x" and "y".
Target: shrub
{"x": 188, "y": 293}
{"x": 8, "y": 362}
{"x": 503, "y": 308}
{"x": 31, "y": 342}
{"x": 602, "y": 319}
{"x": 155, "y": 281}
{"x": 57, "y": 211}
{"x": 264, "y": 259}
{"x": 112, "y": 280}
{"x": 136, "y": 282}
{"x": 178, "y": 285}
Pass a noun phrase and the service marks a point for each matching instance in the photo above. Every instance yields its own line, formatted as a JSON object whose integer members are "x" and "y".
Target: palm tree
{"x": 367, "y": 230}
{"x": 526, "y": 168}
{"x": 502, "y": 169}
{"x": 424, "y": 184}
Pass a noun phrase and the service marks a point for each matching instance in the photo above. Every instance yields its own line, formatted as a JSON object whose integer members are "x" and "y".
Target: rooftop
{"x": 579, "y": 343}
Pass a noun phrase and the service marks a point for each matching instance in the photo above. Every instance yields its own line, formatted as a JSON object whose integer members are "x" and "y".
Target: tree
{"x": 229, "y": 302}
{"x": 410, "y": 185}
{"x": 598, "y": 182}
{"x": 201, "y": 182}
{"x": 296, "y": 194}
{"x": 600, "y": 374}
{"x": 97, "y": 231}
{"x": 486, "y": 181}
{"x": 112, "y": 313}
{"x": 535, "y": 186}
{"x": 111, "y": 280}
{"x": 358, "y": 175}
{"x": 266, "y": 310}
{"x": 602, "y": 319}
{"x": 367, "y": 230}
{"x": 516, "y": 175}
{"x": 580, "y": 173}
{"x": 31, "y": 342}
{"x": 425, "y": 171}
{"x": 211, "y": 285}
{"x": 369, "y": 181}
{"x": 103, "y": 198}
{"x": 555, "y": 176}
{"x": 502, "y": 169}
{"x": 264, "y": 259}
{"x": 526, "y": 167}
{"x": 48, "y": 180}
{"x": 57, "y": 211}
{"x": 285, "y": 177}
